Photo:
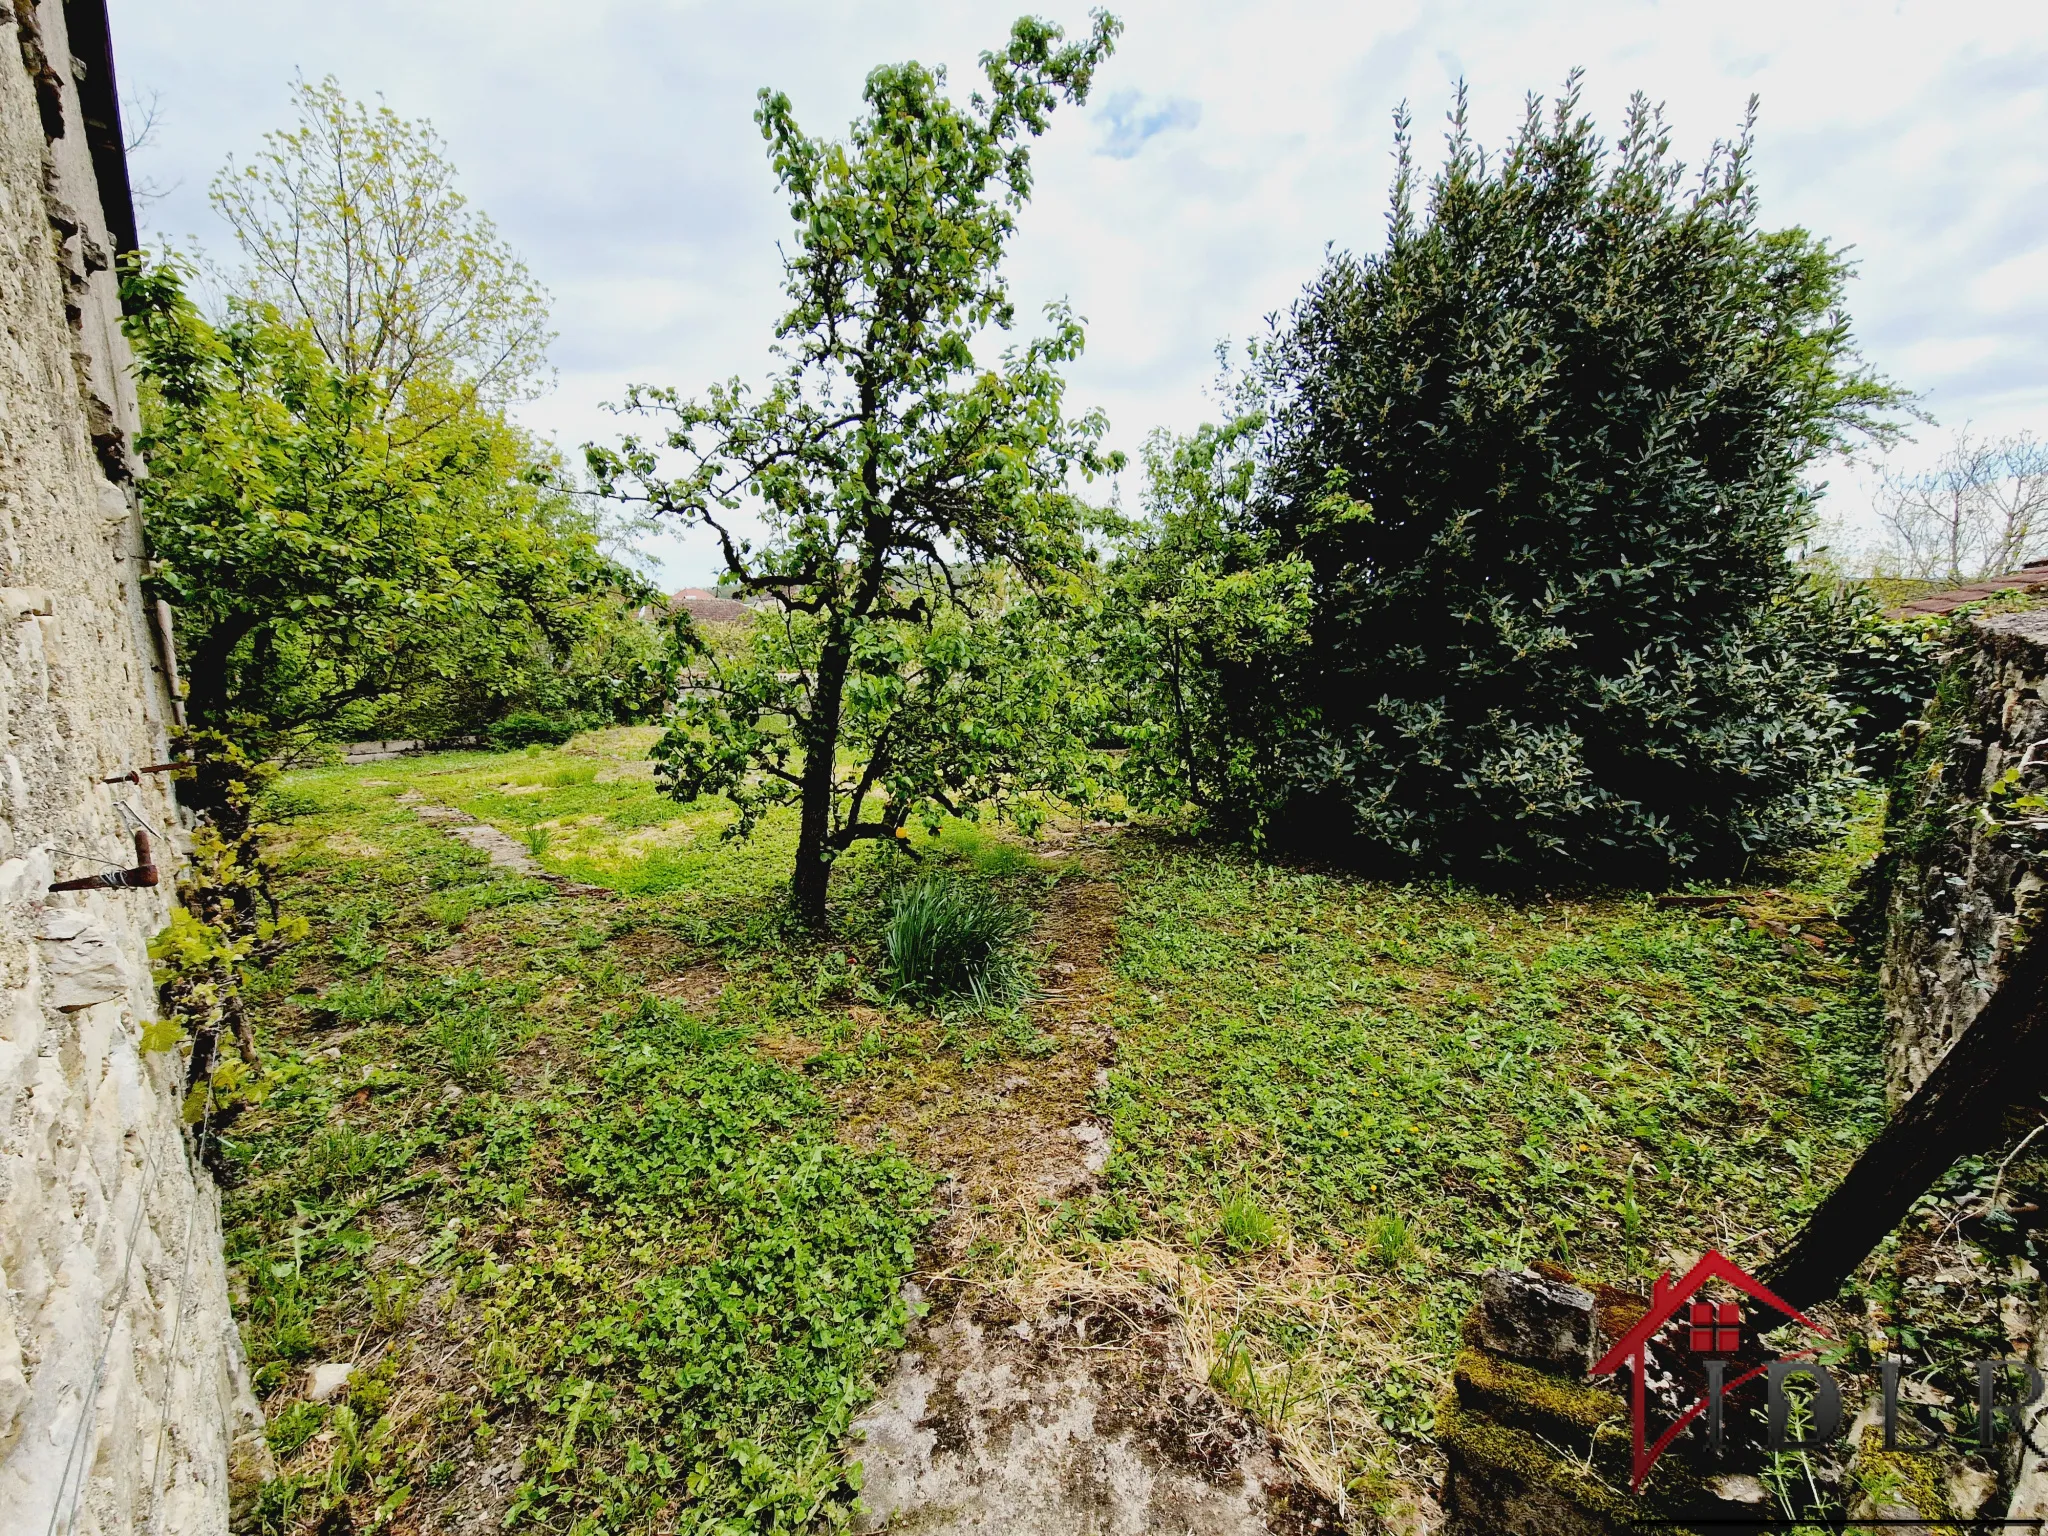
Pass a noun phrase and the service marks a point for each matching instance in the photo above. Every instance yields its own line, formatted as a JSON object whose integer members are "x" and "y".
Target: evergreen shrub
{"x": 1546, "y": 459}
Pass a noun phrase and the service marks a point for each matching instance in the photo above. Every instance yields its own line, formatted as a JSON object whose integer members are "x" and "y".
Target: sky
{"x": 1225, "y": 149}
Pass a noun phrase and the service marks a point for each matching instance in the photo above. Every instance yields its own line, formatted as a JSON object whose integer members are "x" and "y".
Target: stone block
{"x": 81, "y": 962}
{"x": 1528, "y": 1317}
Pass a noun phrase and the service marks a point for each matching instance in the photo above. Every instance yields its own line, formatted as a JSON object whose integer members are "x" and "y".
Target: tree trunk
{"x": 1958, "y": 1110}
{"x": 811, "y": 882}
{"x": 207, "y": 675}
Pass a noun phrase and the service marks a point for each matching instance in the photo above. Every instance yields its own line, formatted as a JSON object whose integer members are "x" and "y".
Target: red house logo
{"x": 1710, "y": 1329}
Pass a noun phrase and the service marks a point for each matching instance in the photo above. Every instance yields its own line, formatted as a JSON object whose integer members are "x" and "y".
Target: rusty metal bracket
{"x": 134, "y": 775}
{"x": 143, "y": 874}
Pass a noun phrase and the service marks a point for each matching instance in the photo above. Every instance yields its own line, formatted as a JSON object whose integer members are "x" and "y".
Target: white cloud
{"x": 613, "y": 142}
{"x": 1129, "y": 119}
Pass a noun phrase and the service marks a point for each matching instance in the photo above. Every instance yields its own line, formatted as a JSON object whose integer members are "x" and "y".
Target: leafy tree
{"x": 562, "y": 657}
{"x": 322, "y": 545}
{"x": 351, "y": 223}
{"x": 1205, "y": 628}
{"x": 911, "y": 499}
{"x": 1545, "y": 456}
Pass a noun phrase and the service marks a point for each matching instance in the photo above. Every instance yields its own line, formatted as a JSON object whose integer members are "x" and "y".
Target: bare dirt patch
{"x": 1020, "y": 1131}
{"x": 696, "y": 988}
{"x": 1079, "y": 1417}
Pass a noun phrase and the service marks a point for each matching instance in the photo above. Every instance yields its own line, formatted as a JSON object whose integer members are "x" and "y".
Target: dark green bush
{"x": 1544, "y": 458}
{"x": 1885, "y": 674}
{"x": 527, "y": 728}
{"x": 945, "y": 940}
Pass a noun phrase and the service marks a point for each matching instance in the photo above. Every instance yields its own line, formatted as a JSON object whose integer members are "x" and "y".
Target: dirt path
{"x": 1015, "y": 1134}
{"x": 503, "y": 850}
{"x": 1020, "y": 1411}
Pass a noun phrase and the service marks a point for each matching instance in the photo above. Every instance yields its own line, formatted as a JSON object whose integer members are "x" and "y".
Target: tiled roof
{"x": 2033, "y": 576}
{"x": 709, "y": 607}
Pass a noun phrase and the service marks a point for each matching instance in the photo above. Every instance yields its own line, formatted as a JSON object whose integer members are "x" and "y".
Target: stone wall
{"x": 1968, "y": 844}
{"x": 1970, "y": 851}
{"x": 121, "y": 1394}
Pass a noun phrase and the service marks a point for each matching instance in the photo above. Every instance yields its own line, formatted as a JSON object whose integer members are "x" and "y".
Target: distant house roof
{"x": 2033, "y": 576}
{"x": 709, "y": 608}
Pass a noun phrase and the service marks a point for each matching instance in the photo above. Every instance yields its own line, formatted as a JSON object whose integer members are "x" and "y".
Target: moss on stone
{"x": 1899, "y": 1484}
{"x": 1497, "y": 1452}
{"x": 1538, "y": 1399}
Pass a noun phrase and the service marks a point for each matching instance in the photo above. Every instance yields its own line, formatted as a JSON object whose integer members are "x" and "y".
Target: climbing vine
{"x": 1934, "y": 806}
{"x": 227, "y": 917}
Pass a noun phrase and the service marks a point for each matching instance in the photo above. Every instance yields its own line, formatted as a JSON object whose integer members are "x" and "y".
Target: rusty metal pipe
{"x": 143, "y": 874}
{"x": 134, "y": 775}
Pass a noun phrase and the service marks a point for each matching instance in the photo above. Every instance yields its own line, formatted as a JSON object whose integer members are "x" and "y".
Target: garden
{"x": 1442, "y": 826}
{"x": 607, "y": 1180}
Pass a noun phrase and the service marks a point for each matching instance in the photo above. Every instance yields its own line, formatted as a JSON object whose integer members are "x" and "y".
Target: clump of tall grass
{"x": 1245, "y": 1225}
{"x": 946, "y": 940}
{"x": 1389, "y": 1241}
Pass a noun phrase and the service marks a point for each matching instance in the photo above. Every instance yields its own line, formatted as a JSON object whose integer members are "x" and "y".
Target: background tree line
{"x": 1981, "y": 509}
{"x": 356, "y": 538}
{"x": 1491, "y": 569}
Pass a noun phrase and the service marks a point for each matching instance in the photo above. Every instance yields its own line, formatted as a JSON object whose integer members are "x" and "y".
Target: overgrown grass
{"x": 1420, "y": 1082}
{"x": 605, "y": 1187}
{"x": 602, "y": 1265}
{"x": 748, "y": 1272}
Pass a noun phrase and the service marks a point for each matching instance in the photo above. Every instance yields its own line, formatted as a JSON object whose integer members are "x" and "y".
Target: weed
{"x": 355, "y": 945}
{"x": 944, "y": 940}
{"x": 340, "y": 1155}
{"x": 1388, "y": 1240}
{"x": 392, "y": 1293}
{"x": 470, "y": 1040}
{"x": 362, "y": 1002}
{"x": 504, "y": 1369}
{"x": 1268, "y": 1396}
{"x": 1245, "y": 1225}
{"x": 539, "y": 839}
{"x": 291, "y": 1428}
{"x": 450, "y": 909}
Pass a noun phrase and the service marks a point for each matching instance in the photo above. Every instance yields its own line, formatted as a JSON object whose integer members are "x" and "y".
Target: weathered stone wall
{"x": 1970, "y": 851}
{"x": 119, "y": 1365}
{"x": 1969, "y": 836}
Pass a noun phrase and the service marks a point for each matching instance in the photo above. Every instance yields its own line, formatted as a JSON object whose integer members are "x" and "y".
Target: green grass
{"x": 1502, "y": 1069}
{"x": 1245, "y": 1225}
{"x": 585, "y": 1179}
{"x": 1424, "y": 1082}
{"x": 585, "y": 1232}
